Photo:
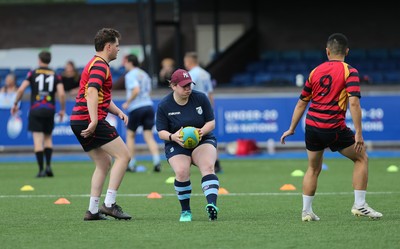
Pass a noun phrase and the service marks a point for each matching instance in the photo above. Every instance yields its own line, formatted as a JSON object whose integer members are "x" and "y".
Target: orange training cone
{"x": 286, "y": 187}
{"x": 62, "y": 201}
{"x": 223, "y": 191}
{"x": 154, "y": 195}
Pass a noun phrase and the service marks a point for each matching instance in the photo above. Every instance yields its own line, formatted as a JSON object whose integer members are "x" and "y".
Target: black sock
{"x": 39, "y": 159}
{"x": 48, "y": 152}
{"x": 217, "y": 165}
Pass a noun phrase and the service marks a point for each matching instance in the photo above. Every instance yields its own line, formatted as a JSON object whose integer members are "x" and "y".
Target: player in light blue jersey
{"x": 139, "y": 106}
{"x": 184, "y": 107}
{"x": 203, "y": 84}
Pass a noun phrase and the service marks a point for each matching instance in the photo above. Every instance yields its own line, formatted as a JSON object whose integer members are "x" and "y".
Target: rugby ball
{"x": 190, "y": 136}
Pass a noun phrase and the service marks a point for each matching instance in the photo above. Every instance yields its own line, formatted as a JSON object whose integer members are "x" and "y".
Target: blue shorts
{"x": 143, "y": 116}
{"x": 336, "y": 141}
{"x": 172, "y": 148}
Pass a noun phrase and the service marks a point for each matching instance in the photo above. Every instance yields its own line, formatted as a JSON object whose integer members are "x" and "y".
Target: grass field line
{"x": 194, "y": 194}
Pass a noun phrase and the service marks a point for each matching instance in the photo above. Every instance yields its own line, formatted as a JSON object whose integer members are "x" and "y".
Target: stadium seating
{"x": 313, "y": 55}
{"x": 378, "y": 53}
{"x": 392, "y": 77}
{"x": 375, "y": 66}
{"x": 257, "y": 66}
{"x": 262, "y": 78}
{"x": 59, "y": 70}
{"x": 242, "y": 79}
{"x": 3, "y": 74}
{"x": 394, "y": 53}
{"x": 20, "y": 74}
{"x": 21, "y": 71}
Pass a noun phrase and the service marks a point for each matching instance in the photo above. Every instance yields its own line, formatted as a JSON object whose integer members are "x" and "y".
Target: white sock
{"x": 132, "y": 163}
{"x": 307, "y": 203}
{"x": 156, "y": 160}
{"x": 94, "y": 204}
{"x": 359, "y": 197}
{"x": 110, "y": 197}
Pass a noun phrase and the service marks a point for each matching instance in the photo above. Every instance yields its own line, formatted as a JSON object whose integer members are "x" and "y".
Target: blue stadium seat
{"x": 291, "y": 55}
{"x": 241, "y": 79}
{"x": 276, "y": 67}
{"x": 21, "y": 72}
{"x": 256, "y": 66}
{"x": 59, "y": 70}
{"x": 373, "y": 77}
{"x": 389, "y": 64}
{"x": 378, "y": 53}
{"x": 392, "y": 77}
{"x": 118, "y": 70}
{"x": 4, "y": 72}
{"x": 357, "y": 54}
{"x": 313, "y": 55}
{"x": 19, "y": 79}
{"x": 366, "y": 65}
{"x": 262, "y": 78}
{"x": 282, "y": 78}
{"x": 394, "y": 53}
{"x": 269, "y": 55}
{"x": 297, "y": 67}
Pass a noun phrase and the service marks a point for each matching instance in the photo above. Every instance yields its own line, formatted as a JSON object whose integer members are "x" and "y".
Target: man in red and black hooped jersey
{"x": 44, "y": 83}
{"x": 332, "y": 87}
{"x": 95, "y": 74}
{"x": 97, "y": 137}
{"x": 329, "y": 87}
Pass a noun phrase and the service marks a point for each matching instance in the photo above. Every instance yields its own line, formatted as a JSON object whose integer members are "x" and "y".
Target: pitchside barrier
{"x": 258, "y": 117}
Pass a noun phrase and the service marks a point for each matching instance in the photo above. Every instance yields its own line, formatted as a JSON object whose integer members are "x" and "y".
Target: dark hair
{"x": 337, "y": 43}
{"x": 45, "y": 57}
{"x": 72, "y": 63}
{"x": 133, "y": 59}
{"x": 105, "y": 35}
{"x": 192, "y": 55}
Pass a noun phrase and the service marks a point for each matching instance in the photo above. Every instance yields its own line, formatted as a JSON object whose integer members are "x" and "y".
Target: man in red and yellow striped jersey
{"x": 332, "y": 87}
{"x": 97, "y": 137}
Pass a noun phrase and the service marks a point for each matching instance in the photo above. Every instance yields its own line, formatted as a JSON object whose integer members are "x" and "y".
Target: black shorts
{"x": 103, "y": 134}
{"x": 336, "y": 141}
{"x": 143, "y": 116}
{"x": 171, "y": 149}
{"x": 41, "y": 124}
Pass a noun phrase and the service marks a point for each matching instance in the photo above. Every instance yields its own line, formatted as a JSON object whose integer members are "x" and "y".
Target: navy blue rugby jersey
{"x": 171, "y": 116}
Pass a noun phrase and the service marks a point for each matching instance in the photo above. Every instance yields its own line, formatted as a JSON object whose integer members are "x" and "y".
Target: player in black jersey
{"x": 44, "y": 83}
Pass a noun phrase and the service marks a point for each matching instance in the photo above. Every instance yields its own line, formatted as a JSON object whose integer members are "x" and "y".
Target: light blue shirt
{"x": 138, "y": 78}
{"x": 202, "y": 80}
{"x": 7, "y": 100}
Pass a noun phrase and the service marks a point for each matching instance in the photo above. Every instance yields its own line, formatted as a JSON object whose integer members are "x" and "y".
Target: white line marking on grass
{"x": 193, "y": 194}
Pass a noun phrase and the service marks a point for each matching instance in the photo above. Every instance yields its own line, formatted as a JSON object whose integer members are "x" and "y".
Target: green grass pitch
{"x": 254, "y": 214}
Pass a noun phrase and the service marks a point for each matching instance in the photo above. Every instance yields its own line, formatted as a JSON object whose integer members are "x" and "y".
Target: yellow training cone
{"x": 286, "y": 187}
{"x": 27, "y": 188}
{"x": 392, "y": 168}
{"x": 62, "y": 201}
{"x": 297, "y": 172}
{"x": 170, "y": 180}
{"x": 223, "y": 191}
